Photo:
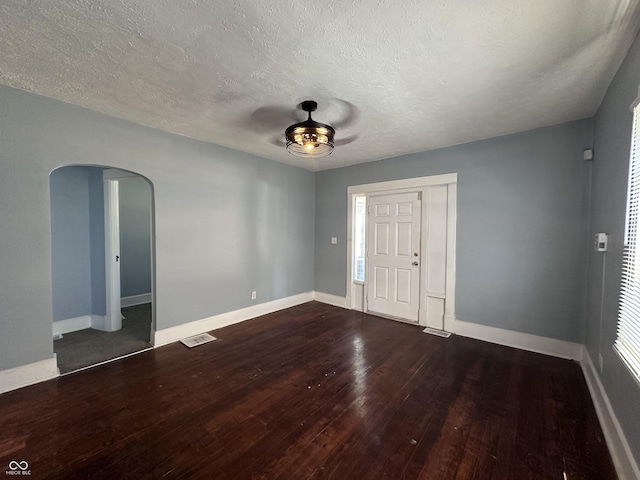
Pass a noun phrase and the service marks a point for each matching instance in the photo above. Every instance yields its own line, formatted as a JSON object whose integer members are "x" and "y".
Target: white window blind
{"x": 627, "y": 343}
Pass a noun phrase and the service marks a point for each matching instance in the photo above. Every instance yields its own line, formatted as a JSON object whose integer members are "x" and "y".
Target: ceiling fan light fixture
{"x": 310, "y": 139}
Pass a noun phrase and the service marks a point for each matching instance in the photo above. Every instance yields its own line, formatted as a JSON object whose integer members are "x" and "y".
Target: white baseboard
{"x": 29, "y": 374}
{"x": 621, "y": 455}
{"x": 327, "y": 298}
{"x": 69, "y": 325}
{"x": 74, "y": 324}
{"x": 134, "y": 300}
{"x": 100, "y": 322}
{"x": 524, "y": 341}
{"x": 173, "y": 334}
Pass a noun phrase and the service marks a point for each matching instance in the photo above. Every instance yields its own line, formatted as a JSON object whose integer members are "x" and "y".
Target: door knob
{"x": 415, "y": 263}
{"x": 415, "y": 254}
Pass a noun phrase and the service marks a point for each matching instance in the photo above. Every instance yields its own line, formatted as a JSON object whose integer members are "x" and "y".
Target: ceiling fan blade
{"x": 345, "y": 141}
{"x": 350, "y": 117}
{"x": 270, "y": 119}
{"x": 278, "y": 141}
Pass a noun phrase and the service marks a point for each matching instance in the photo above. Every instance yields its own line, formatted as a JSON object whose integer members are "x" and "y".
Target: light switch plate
{"x": 334, "y": 240}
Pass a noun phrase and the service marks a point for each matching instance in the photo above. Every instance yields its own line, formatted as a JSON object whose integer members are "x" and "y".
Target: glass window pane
{"x": 359, "y": 247}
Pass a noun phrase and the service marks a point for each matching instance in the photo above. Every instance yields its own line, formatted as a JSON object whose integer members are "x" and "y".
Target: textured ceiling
{"x": 394, "y": 77}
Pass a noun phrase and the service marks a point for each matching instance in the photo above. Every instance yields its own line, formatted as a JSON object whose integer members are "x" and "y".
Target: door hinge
{"x": 420, "y": 195}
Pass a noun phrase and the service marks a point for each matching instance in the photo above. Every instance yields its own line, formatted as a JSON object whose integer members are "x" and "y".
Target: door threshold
{"x": 106, "y": 361}
{"x": 391, "y": 317}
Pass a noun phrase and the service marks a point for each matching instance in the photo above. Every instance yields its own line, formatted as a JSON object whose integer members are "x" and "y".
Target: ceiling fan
{"x": 308, "y": 138}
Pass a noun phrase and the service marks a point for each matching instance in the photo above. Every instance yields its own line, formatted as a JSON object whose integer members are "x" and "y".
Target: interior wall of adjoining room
{"x": 613, "y": 125}
{"x": 77, "y": 242}
{"x": 227, "y": 223}
{"x": 521, "y": 226}
{"x": 135, "y": 234}
{"x": 97, "y": 240}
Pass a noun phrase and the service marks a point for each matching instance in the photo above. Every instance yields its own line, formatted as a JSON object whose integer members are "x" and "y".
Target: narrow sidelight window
{"x": 359, "y": 243}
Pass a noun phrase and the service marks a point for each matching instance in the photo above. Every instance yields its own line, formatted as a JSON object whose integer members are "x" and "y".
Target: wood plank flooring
{"x": 312, "y": 392}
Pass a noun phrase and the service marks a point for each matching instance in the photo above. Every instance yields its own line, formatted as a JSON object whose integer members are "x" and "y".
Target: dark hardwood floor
{"x": 308, "y": 393}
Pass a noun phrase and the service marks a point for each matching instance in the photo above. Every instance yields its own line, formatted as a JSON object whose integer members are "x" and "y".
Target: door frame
{"x": 113, "y": 318}
{"x": 113, "y": 314}
{"x": 355, "y": 296}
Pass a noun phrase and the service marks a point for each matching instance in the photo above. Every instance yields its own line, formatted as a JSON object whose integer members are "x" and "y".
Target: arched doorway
{"x": 101, "y": 228}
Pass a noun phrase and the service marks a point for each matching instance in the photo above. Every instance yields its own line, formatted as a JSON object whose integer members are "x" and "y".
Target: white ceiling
{"x": 394, "y": 77}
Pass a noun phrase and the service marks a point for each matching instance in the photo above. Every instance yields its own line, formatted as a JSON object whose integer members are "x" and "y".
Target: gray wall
{"x": 521, "y": 226}
{"x": 610, "y": 169}
{"x": 226, "y": 222}
{"x": 135, "y": 236}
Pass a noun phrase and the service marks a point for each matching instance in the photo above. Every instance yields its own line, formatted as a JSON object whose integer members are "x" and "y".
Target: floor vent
{"x": 437, "y": 333}
{"x": 197, "y": 340}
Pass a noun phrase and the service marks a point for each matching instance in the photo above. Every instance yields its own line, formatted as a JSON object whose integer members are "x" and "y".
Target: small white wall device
{"x": 600, "y": 242}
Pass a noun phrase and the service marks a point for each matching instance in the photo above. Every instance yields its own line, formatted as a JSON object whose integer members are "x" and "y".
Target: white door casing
{"x": 113, "y": 317}
{"x": 393, "y": 255}
{"x": 438, "y": 245}
{"x": 434, "y": 269}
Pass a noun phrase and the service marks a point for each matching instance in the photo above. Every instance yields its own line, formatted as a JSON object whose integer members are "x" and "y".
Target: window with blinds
{"x": 627, "y": 343}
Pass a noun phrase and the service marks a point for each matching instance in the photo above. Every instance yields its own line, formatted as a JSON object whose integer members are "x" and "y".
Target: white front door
{"x": 393, "y": 248}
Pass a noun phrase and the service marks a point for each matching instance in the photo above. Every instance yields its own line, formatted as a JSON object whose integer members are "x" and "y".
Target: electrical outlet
{"x": 600, "y": 362}
{"x": 254, "y": 294}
